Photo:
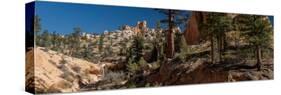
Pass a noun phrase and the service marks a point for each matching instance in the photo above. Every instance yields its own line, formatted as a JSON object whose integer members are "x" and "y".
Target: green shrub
{"x": 156, "y": 65}
{"x": 131, "y": 85}
{"x": 142, "y": 63}
{"x": 116, "y": 77}
{"x": 132, "y": 67}
{"x": 148, "y": 85}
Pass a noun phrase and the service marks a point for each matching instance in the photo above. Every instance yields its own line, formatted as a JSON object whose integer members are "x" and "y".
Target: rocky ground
{"x": 55, "y": 72}
{"x": 49, "y": 71}
{"x": 201, "y": 71}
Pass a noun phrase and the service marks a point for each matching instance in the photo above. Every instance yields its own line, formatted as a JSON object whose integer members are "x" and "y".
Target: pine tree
{"x": 37, "y": 28}
{"x": 258, "y": 30}
{"x": 74, "y": 40}
{"x": 54, "y": 40}
{"x": 46, "y": 39}
{"x": 136, "y": 48}
{"x": 178, "y": 39}
{"x": 86, "y": 53}
{"x": 174, "y": 17}
{"x": 215, "y": 27}
{"x": 101, "y": 43}
{"x": 222, "y": 25}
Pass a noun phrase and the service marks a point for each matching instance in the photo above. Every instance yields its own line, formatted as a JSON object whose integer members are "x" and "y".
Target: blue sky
{"x": 63, "y": 17}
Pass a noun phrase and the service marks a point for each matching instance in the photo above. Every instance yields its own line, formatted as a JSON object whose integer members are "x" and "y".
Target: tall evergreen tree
{"x": 215, "y": 27}
{"x": 54, "y": 39}
{"x": 174, "y": 18}
{"x": 46, "y": 39}
{"x": 178, "y": 36}
{"x": 258, "y": 30}
{"x": 100, "y": 43}
{"x": 74, "y": 40}
{"x": 222, "y": 25}
{"x": 136, "y": 48}
{"x": 37, "y": 28}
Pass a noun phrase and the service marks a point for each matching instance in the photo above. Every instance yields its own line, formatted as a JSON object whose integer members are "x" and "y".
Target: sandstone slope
{"x": 54, "y": 72}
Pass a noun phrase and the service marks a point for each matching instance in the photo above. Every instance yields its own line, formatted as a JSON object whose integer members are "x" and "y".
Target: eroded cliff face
{"x": 191, "y": 32}
{"x": 49, "y": 71}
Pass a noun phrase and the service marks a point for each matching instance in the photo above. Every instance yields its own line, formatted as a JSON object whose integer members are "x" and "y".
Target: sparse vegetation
{"x": 147, "y": 57}
{"x": 114, "y": 77}
{"x": 77, "y": 69}
{"x": 132, "y": 67}
{"x": 259, "y": 32}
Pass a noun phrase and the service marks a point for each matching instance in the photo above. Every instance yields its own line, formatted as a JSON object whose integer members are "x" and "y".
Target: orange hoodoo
{"x": 191, "y": 32}
{"x": 140, "y": 27}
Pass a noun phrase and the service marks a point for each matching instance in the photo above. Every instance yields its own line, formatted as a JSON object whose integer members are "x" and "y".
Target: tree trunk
{"x": 212, "y": 50}
{"x": 223, "y": 43}
{"x": 258, "y": 55}
{"x": 219, "y": 48}
{"x": 222, "y": 46}
{"x": 170, "y": 38}
{"x": 70, "y": 52}
{"x": 170, "y": 45}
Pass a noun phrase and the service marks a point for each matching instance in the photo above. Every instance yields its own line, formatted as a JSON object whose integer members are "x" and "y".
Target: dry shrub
{"x": 77, "y": 69}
